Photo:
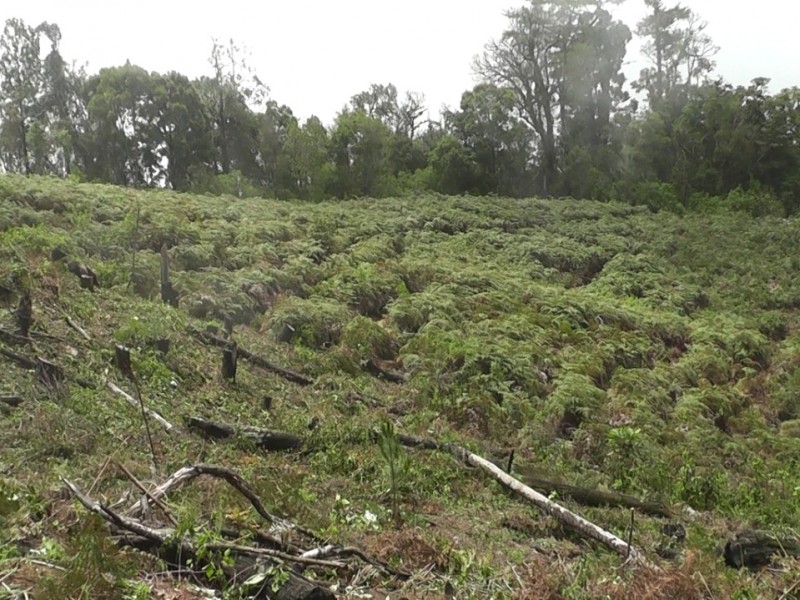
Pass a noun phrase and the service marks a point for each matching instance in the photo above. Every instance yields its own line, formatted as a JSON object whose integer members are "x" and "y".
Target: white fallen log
{"x": 135, "y": 403}
{"x": 567, "y": 517}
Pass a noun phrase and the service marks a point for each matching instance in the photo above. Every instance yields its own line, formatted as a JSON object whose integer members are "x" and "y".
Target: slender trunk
{"x": 24, "y": 140}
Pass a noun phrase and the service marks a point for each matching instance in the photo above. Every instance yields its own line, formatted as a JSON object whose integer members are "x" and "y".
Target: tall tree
{"x": 359, "y": 148}
{"x": 539, "y": 56}
{"x": 678, "y": 48}
{"x": 179, "y": 129}
{"x": 497, "y": 139}
{"x": 118, "y": 146}
{"x": 61, "y": 104}
{"x": 231, "y": 95}
{"x": 274, "y": 125}
{"x": 21, "y": 84}
{"x": 303, "y": 166}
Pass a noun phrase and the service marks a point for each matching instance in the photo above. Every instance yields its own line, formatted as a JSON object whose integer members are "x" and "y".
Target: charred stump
{"x": 122, "y": 360}
{"x": 229, "y": 362}
{"x": 24, "y": 315}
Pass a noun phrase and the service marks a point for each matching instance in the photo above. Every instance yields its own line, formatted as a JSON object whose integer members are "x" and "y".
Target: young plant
{"x": 396, "y": 465}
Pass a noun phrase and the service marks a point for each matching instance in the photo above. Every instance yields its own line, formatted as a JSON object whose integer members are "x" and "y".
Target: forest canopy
{"x": 552, "y": 114}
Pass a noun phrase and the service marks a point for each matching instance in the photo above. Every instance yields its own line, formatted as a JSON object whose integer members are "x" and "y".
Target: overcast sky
{"x": 316, "y": 54}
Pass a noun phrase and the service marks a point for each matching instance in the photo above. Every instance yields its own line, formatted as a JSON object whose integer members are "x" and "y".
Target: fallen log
{"x": 378, "y": 371}
{"x": 23, "y": 361}
{"x": 186, "y": 474}
{"x": 178, "y": 550}
{"x": 565, "y": 516}
{"x": 539, "y": 500}
{"x": 87, "y": 277}
{"x": 266, "y": 439}
{"x": 757, "y": 549}
{"x": 12, "y": 401}
{"x": 258, "y": 361}
{"x": 593, "y": 497}
{"x": 585, "y": 496}
{"x": 135, "y": 403}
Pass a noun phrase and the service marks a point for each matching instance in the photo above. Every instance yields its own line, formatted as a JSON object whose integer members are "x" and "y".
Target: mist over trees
{"x": 552, "y": 115}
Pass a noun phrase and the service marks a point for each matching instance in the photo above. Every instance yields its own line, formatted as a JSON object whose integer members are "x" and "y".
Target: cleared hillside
{"x": 611, "y": 348}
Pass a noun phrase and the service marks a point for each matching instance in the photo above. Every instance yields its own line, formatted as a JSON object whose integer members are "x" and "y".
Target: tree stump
{"x": 162, "y": 345}
{"x": 229, "y": 362}
{"x": 286, "y": 334}
{"x": 122, "y": 360}
{"x": 24, "y": 315}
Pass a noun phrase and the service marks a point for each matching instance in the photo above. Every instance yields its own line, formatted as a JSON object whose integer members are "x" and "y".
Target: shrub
{"x": 318, "y": 322}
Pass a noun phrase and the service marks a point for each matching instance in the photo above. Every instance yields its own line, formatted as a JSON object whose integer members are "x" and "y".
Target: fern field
{"x": 611, "y": 348}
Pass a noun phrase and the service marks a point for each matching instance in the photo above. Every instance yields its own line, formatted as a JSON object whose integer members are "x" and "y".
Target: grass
{"x": 652, "y": 354}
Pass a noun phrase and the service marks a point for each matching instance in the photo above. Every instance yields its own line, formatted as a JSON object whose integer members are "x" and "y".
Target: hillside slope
{"x": 610, "y": 348}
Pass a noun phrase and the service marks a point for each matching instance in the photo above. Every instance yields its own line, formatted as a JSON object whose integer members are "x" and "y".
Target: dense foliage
{"x": 552, "y": 115}
{"x": 653, "y": 354}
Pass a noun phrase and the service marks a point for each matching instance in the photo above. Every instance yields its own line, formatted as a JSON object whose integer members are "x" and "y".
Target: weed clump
{"x": 317, "y": 323}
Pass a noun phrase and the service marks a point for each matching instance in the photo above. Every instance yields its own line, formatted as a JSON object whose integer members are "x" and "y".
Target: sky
{"x": 315, "y": 54}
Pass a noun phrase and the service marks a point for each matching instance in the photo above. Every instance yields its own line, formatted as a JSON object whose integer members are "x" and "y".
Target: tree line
{"x": 552, "y": 115}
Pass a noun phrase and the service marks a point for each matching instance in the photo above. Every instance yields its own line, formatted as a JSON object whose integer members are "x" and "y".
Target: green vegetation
{"x": 612, "y": 348}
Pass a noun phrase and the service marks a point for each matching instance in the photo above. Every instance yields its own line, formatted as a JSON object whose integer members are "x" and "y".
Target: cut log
{"x": 377, "y": 371}
{"x": 229, "y": 362}
{"x": 213, "y": 340}
{"x": 757, "y": 549}
{"x": 168, "y": 293}
{"x": 57, "y": 254}
{"x": 286, "y": 334}
{"x": 161, "y": 345}
{"x": 539, "y": 500}
{"x": 266, "y": 439}
{"x": 12, "y": 401}
{"x": 135, "y": 403}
